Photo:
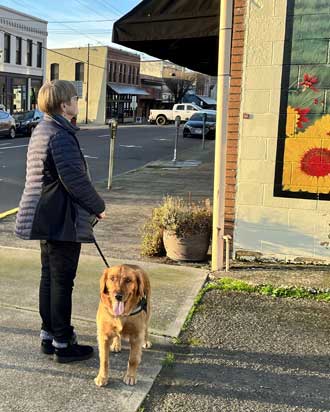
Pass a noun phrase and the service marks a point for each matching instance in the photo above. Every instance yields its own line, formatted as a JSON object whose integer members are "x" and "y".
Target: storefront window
{"x": 19, "y": 94}
{"x": 3, "y": 92}
{"x": 35, "y": 87}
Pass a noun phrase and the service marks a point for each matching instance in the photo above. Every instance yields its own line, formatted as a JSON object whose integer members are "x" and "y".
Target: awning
{"x": 182, "y": 31}
{"x": 121, "y": 89}
{"x": 207, "y": 100}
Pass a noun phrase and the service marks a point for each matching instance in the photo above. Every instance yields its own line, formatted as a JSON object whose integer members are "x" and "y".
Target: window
{"x": 7, "y": 48}
{"x": 18, "y": 50}
{"x": 114, "y": 74}
{"x": 120, "y": 77}
{"x": 110, "y": 72}
{"x": 3, "y": 115}
{"x": 133, "y": 74}
{"x": 39, "y": 54}
{"x": 54, "y": 71}
{"x": 197, "y": 117}
{"x": 29, "y": 52}
{"x": 191, "y": 108}
{"x": 180, "y": 107}
{"x": 137, "y": 76}
{"x": 129, "y": 74}
{"x": 79, "y": 75}
{"x": 124, "y": 73}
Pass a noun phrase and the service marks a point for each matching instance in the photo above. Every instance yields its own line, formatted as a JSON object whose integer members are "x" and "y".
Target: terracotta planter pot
{"x": 192, "y": 248}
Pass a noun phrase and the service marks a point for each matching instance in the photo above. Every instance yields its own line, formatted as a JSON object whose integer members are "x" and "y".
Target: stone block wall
{"x": 282, "y": 207}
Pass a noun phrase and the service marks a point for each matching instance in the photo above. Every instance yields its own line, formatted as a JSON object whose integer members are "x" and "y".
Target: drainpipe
{"x": 225, "y": 33}
{"x": 227, "y": 239}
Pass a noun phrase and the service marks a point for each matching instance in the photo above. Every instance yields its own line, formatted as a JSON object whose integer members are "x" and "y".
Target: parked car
{"x": 26, "y": 122}
{"x": 163, "y": 116}
{"x": 7, "y": 125}
{"x": 194, "y": 126}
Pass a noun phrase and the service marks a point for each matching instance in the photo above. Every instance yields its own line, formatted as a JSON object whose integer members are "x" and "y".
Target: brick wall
{"x": 237, "y": 55}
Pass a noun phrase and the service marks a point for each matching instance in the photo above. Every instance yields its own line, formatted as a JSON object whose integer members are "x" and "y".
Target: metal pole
{"x": 87, "y": 85}
{"x": 177, "y": 126}
{"x": 204, "y": 124}
{"x": 225, "y": 32}
{"x": 113, "y": 125}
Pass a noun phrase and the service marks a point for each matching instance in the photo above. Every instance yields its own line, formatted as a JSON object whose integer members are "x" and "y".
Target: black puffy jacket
{"x": 59, "y": 201}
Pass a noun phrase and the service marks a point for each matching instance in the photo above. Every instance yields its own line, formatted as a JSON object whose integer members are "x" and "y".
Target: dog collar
{"x": 140, "y": 307}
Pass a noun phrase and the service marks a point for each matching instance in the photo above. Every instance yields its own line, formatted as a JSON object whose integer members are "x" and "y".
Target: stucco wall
{"x": 97, "y": 77}
{"x": 281, "y": 226}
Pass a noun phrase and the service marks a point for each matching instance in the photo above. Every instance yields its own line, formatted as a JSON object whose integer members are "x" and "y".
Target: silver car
{"x": 7, "y": 125}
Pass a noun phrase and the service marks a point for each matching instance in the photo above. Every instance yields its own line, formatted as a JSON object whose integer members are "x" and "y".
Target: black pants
{"x": 59, "y": 261}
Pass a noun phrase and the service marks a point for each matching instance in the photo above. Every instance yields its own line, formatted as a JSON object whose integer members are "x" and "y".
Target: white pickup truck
{"x": 184, "y": 110}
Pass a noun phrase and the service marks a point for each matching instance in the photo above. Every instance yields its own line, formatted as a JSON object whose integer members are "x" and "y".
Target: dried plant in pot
{"x": 186, "y": 228}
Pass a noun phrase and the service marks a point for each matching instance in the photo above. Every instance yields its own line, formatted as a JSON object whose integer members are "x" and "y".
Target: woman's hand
{"x": 101, "y": 215}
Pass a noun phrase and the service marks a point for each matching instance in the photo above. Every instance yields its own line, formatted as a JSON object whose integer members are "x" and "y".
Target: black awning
{"x": 182, "y": 31}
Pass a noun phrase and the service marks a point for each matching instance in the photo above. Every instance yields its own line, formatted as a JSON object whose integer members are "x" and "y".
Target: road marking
{"x": 104, "y": 135}
{"x": 90, "y": 157}
{"x": 162, "y": 140}
{"x": 130, "y": 146}
{"x": 3, "y": 144}
{"x": 8, "y": 212}
{"x": 13, "y": 147}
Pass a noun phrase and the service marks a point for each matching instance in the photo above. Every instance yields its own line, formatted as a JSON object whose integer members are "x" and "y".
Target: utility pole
{"x": 87, "y": 85}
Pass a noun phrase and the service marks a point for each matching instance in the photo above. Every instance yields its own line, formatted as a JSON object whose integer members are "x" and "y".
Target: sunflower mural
{"x": 303, "y": 156}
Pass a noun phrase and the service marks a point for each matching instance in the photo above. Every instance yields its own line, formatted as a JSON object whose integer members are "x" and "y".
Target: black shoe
{"x": 47, "y": 347}
{"x": 73, "y": 353}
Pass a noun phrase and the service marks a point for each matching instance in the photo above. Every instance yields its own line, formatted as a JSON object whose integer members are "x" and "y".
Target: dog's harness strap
{"x": 141, "y": 306}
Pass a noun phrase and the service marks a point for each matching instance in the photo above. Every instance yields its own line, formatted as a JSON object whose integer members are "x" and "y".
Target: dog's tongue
{"x": 118, "y": 308}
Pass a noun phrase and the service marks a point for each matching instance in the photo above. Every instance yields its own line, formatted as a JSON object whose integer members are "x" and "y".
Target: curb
{"x": 8, "y": 213}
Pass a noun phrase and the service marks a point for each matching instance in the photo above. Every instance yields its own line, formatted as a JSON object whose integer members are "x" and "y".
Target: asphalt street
{"x": 134, "y": 147}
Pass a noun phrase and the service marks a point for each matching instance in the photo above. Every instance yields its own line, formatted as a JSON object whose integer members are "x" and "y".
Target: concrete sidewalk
{"x": 30, "y": 381}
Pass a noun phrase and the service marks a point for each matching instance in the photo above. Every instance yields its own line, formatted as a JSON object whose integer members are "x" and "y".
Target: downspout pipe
{"x": 225, "y": 36}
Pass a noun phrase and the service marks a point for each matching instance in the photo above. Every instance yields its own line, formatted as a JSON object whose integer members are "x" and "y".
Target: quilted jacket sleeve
{"x": 73, "y": 174}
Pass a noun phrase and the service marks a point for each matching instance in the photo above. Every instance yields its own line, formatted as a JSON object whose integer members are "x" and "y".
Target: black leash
{"x": 98, "y": 247}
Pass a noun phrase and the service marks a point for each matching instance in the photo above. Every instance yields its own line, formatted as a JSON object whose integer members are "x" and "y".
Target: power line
{"x": 64, "y": 21}
{"x": 79, "y": 60}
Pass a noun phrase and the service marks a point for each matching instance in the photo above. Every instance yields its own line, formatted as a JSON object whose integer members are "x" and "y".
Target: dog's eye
{"x": 127, "y": 280}
{"x": 112, "y": 278}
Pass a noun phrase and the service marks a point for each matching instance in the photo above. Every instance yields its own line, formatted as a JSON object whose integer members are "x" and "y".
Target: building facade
{"x": 201, "y": 84}
{"x": 278, "y": 131}
{"x": 107, "y": 81}
{"x": 23, "y": 41}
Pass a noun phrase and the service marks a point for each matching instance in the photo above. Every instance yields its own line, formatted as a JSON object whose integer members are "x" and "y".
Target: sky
{"x": 83, "y": 17}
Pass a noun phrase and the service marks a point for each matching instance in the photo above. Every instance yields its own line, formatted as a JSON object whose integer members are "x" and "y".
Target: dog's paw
{"x": 130, "y": 380}
{"x": 147, "y": 344}
{"x": 101, "y": 381}
{"x": 115, "y": 347}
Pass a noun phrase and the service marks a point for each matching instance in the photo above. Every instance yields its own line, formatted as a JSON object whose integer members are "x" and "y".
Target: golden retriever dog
{"x": 123, "y": 312}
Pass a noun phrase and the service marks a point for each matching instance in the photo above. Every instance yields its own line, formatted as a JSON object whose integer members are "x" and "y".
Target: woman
{"x": 58, "y": 207}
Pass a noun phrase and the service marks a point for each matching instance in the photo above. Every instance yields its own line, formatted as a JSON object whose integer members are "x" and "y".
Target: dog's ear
{"x": 140, "y": 284}
{"x": 103, "y": 287}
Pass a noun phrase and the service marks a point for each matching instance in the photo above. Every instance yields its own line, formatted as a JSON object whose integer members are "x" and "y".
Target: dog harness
{"x": 140, "y": 307}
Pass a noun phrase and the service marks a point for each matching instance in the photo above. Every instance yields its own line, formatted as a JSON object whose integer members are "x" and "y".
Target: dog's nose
{"x": 119, "y": 297}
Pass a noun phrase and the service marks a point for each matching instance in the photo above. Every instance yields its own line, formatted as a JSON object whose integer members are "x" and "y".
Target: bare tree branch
{"x": 179, "y": 86}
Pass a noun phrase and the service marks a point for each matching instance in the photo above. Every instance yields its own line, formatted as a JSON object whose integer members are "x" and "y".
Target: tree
{"x": 179, "y": 85}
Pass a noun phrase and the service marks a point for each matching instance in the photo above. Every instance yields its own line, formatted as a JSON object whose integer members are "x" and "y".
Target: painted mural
{"x": 303, "y": 149}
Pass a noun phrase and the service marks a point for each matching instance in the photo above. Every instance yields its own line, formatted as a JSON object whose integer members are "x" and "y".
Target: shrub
{"x": 176, "y": 214}
{"x": 185, "y": 217}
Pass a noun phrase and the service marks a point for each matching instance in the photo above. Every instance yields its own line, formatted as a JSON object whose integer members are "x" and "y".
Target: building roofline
{"x": 23, "y": 14}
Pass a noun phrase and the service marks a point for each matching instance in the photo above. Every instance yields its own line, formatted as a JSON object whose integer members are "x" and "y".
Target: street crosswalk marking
{"x": 130, "y": 146}
{"x": 13, "y": 147}
{"x": 90, "y": 157}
